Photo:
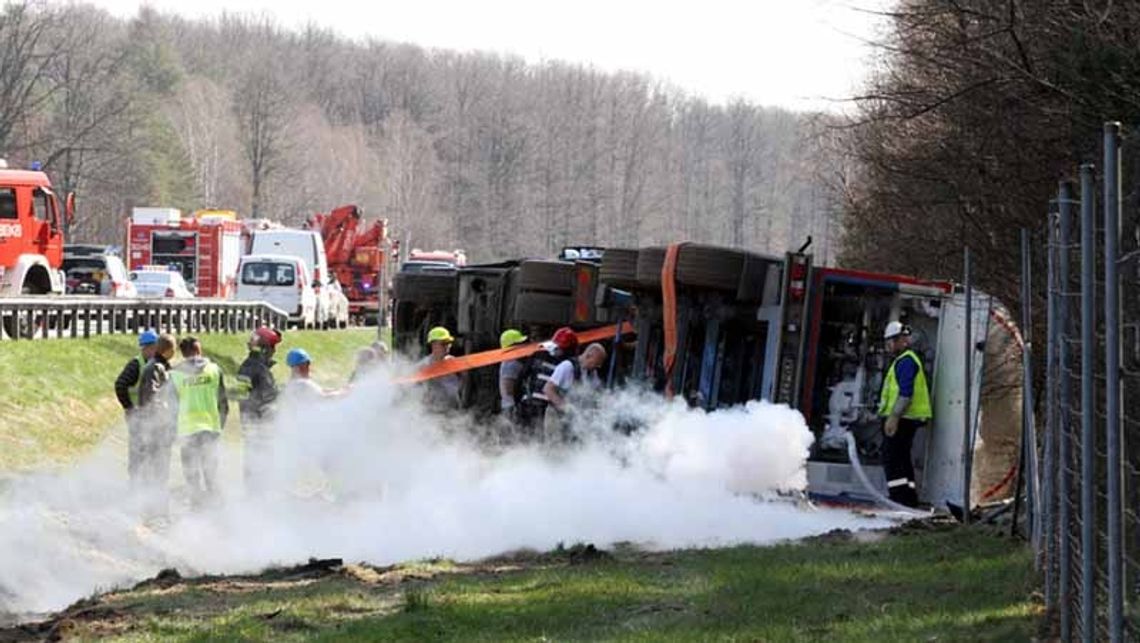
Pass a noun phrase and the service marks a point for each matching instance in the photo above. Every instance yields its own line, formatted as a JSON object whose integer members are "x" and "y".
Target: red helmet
{"x": 265, "y": 336}
{"x": 565, "y": 339}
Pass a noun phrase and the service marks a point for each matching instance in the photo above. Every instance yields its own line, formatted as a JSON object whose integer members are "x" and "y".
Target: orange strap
{"x": 669, "y": 299}
{"x": 499, "y": 355}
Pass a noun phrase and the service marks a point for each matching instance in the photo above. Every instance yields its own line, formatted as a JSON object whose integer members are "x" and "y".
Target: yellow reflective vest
{"x": 198, "y": 399}
{"x": 919, "y": 408}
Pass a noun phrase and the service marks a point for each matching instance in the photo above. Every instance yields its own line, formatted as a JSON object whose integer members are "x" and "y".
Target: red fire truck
{"x": 31, "y": 237}
{"x": 205, "y": 248}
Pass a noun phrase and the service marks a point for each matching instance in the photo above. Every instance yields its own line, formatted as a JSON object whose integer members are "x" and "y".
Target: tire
{"x": 710, "y": 267}
{"x": 427, "y": 288}
{"x": 543, "y": 309}
{"x": 619, "y": 268}
{"x": 649, "y": 263}
{"x": 556, "y": 277}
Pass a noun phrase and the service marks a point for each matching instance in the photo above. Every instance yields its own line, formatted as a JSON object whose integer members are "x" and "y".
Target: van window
{"x": 7, "y": 203}
{"x": 263, "y": 273}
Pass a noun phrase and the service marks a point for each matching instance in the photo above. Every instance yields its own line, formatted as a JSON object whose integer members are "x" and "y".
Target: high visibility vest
{"x": 133, "y": 392}
{"x": 919, "y": 408}
{"x": 198, "y": 399}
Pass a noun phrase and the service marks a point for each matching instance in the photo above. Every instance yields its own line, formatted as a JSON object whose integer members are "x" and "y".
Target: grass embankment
{"x": 947, "y": 583}
{"x": 57, "y": 396}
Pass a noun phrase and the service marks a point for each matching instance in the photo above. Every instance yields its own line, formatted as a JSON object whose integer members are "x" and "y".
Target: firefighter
{"x": 568, "y": 375}
{"x": 126, "y": 390}
{"x": 509, "y": 373}
{"x": 442, "y": 393}
{"x": 158, "y": 427}
{"x": 201, "y": 408}
{"x": 366, "y": 362}
{"x": 904, "y": 405}
{"x": 258, "y": 393}
{"x": 539, "y": 368}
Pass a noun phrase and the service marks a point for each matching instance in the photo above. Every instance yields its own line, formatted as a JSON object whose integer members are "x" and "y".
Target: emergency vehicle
{"x": 205, "y": 247}
{"x": 31, "y": 237}
{"x": 719, "y": 327}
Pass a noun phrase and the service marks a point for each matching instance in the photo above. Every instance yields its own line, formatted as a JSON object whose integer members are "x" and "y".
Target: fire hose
{"x": 853, "y": 455}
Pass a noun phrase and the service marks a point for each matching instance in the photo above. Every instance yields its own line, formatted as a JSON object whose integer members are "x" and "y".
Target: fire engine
{"x": 205, "y": 248}
{"x": 358, "y": 256}
{"x": 31, "y": 235}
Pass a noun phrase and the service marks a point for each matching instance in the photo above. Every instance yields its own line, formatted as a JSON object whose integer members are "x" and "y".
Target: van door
{"x": 944, "y": 472}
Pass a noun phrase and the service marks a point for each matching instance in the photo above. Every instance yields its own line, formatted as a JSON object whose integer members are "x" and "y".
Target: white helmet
{"x": 894, "y": 329}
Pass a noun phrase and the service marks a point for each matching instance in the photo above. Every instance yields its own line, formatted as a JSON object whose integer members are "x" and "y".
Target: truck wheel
{"x": 546, "y": 276}
{"x": 710, "y": 267}
{"x": 427, "y": 288}
{"x": 649, "y": 263}
{"x": 543, "y": 308}
{"x": 619, "y": 268}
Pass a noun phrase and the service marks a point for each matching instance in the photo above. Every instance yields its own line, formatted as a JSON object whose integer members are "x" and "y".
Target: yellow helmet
{"x": 439, "y": 334}
{"x": 510, "y": 337}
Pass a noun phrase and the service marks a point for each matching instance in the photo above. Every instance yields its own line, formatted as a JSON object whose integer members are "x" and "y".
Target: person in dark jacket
{"x": 126, "y": 390}
{"x": 259, "y": 393}
{"x": 158, "y": 427}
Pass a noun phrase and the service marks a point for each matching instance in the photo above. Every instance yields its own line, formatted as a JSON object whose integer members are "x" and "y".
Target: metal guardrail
{"x": 63, "y": 317}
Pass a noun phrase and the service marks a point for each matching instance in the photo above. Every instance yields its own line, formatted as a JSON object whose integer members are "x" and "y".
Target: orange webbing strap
{"x": 499, "y": 355}
{"x": 669, "y": 299}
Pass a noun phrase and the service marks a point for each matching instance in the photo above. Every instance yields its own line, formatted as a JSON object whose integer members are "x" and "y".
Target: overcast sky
{"x": 799, "y": 54}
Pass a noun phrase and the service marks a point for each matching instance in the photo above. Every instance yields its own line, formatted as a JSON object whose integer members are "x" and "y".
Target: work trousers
{"x": 154, "y": 468}
{"x": 897, "y": 462}
{"x": 200, "y": 465}
{"x": 136, "y": 447}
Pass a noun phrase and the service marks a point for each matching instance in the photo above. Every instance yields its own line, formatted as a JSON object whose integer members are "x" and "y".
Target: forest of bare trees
{"x": 484, "y": 152}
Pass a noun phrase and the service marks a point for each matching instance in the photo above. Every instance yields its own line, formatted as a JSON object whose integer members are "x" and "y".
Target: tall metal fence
{"x": 1088, "y": 536}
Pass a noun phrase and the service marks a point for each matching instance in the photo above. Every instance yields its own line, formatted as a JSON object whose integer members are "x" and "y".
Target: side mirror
{"x": 69, "y": 209}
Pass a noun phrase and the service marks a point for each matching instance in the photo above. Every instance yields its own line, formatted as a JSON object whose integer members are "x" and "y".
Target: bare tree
{"x": 264, "y": 106}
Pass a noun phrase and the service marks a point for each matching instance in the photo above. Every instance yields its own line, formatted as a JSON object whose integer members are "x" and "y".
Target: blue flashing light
{"x": 36, "y": 166}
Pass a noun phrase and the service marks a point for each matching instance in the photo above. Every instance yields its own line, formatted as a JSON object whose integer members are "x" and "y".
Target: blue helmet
{"x": 148, "y": 338}
{"x": 297, "y": 357}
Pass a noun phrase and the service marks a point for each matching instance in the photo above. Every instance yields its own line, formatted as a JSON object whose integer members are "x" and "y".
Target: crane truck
{"x": 358, "y": 257}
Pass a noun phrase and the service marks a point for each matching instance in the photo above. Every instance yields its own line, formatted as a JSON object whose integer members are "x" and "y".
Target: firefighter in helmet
{"x": 257, "y": 392}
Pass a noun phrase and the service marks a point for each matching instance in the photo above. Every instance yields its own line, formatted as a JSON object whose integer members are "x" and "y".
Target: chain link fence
{"x": 1089, "y": 541}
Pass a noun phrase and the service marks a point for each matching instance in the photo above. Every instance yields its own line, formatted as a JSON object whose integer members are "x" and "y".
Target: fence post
{"x": 967, "y": 437}
{"x": 1088, "y": 408}
{"x": 1049, "y": 468}
{"x": 1028, "y": 421}
{"x": 1064, "y": 451}
{"x": 1113, "y": 460}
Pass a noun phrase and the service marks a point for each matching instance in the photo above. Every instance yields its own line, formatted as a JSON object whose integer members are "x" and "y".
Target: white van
{"x": 306, "y": 245}
{"x": 282, "y": 281}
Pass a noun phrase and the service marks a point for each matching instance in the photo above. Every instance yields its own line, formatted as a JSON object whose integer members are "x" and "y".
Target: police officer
{"x": 904, "y": 405}
{"x": 126, "y": 390}
{"x": 199, "y": 396}
{"x": 258, "y": 393}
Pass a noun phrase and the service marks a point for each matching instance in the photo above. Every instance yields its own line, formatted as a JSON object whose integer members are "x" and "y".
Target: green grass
{"x": 951, "y": 584}
{"x": 57, "y": 400}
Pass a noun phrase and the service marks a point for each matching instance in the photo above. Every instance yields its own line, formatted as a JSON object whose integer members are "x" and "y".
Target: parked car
{"x": 154, "y": 282}
{"x": 96, "y": 274}
{"x": 279, "y": 280}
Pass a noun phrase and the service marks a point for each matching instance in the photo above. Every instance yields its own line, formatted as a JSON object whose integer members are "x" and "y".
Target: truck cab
{"x": 31, "y": 234}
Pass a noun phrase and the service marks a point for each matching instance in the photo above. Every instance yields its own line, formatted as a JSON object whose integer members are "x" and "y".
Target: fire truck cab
{"x": 31, "y": 234}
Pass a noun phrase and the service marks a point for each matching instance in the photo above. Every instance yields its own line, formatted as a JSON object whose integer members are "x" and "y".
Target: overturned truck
{"x": 719, "y": 326}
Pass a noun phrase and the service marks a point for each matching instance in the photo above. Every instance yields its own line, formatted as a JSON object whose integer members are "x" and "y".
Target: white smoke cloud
{"x": 372, "y": 477}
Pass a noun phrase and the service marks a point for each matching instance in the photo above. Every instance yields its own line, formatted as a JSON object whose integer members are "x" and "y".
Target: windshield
{"x": 263, "y": 273}
{"x": 90, "y": 264}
